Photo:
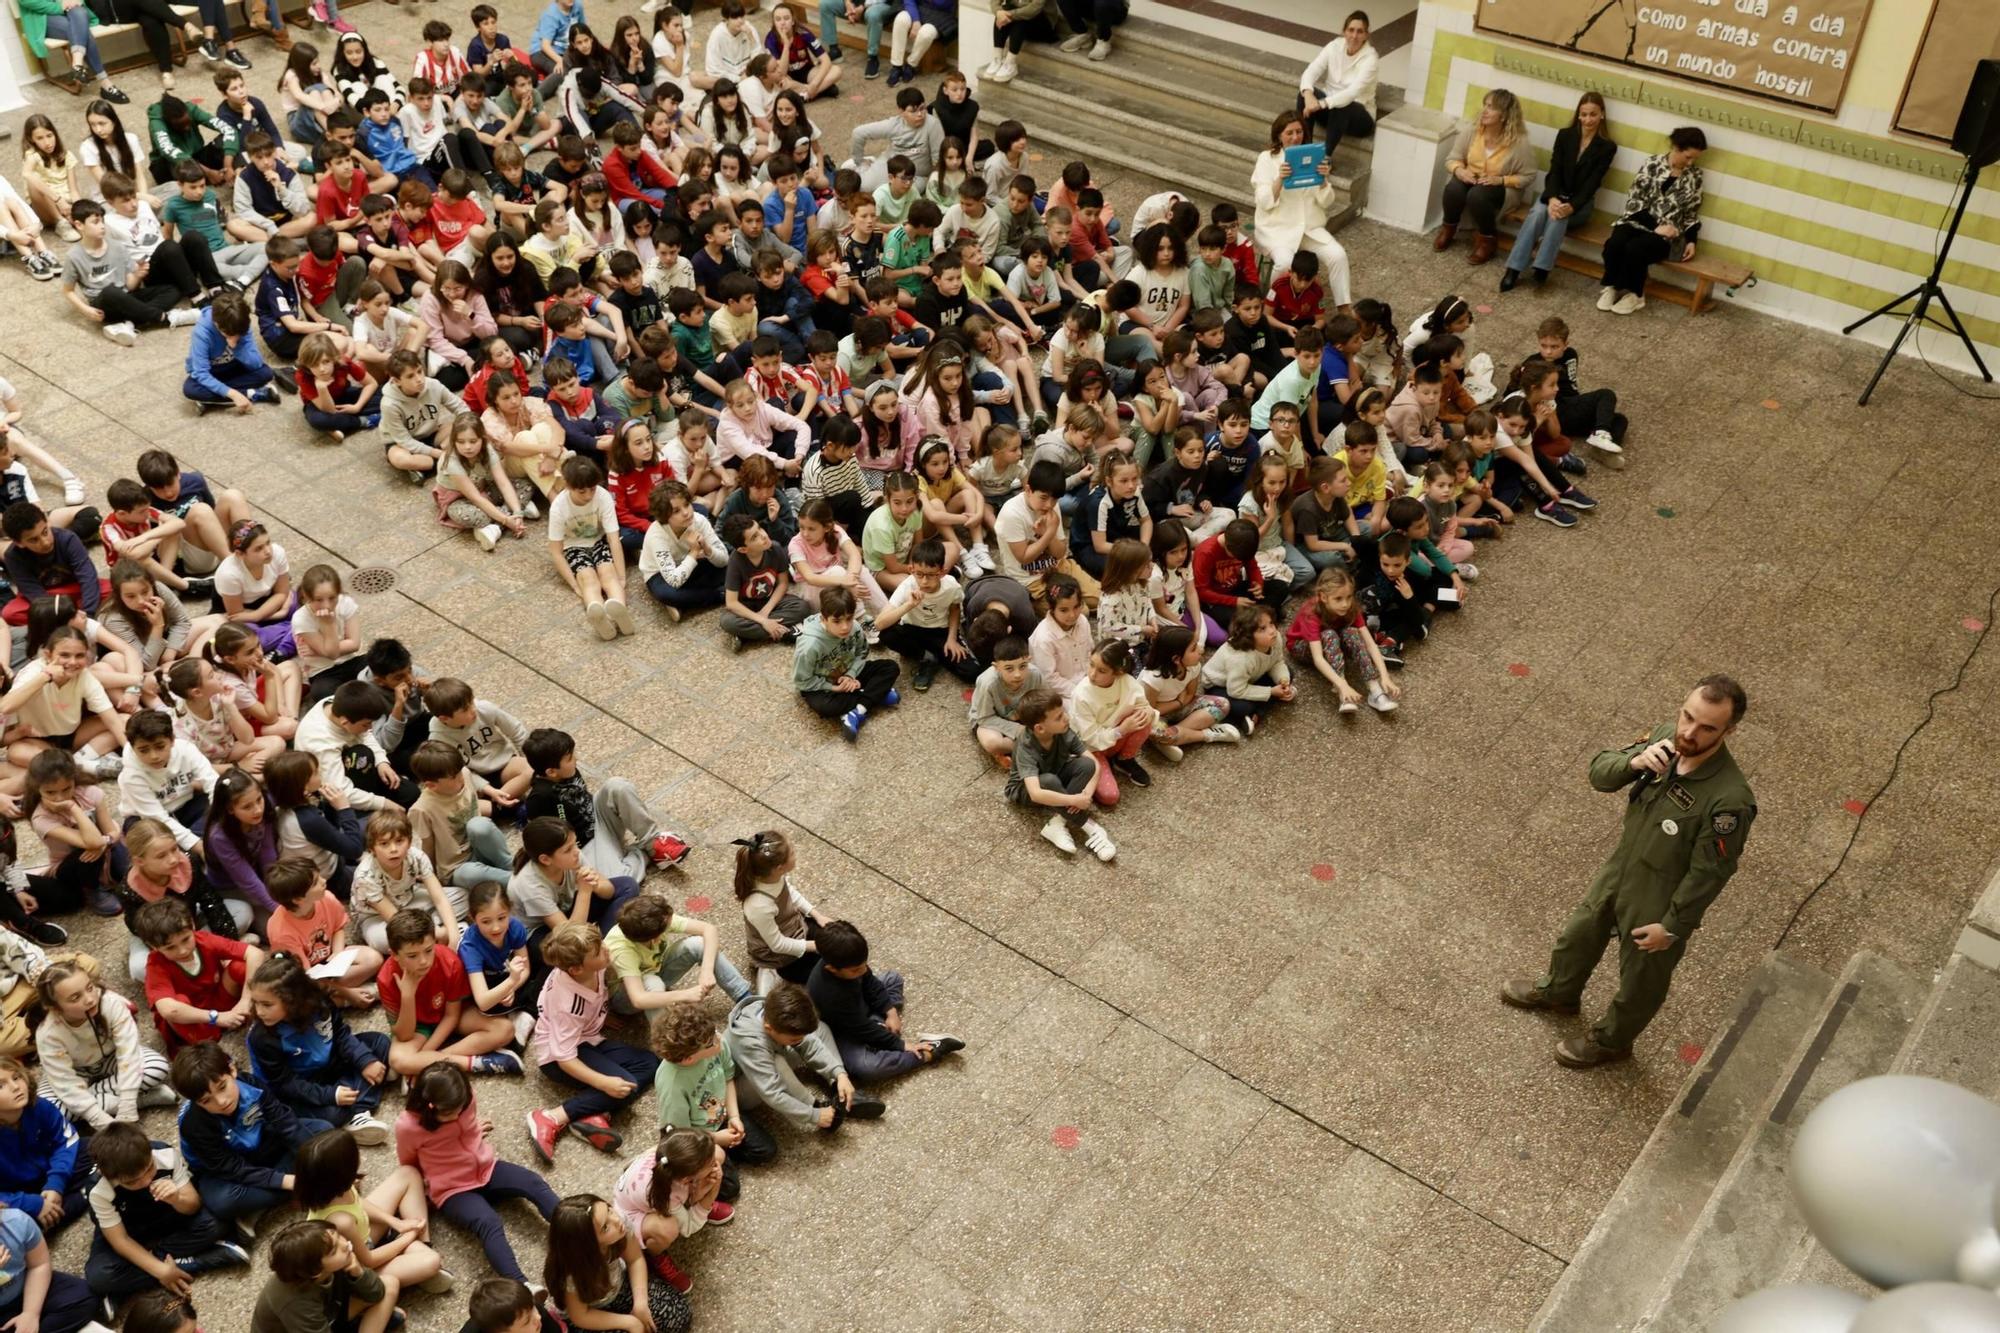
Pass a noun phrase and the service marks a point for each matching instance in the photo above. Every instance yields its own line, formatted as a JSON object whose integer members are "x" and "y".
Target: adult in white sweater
{"x": 1250, "y": 669}
{"x": 1337, "y": 91}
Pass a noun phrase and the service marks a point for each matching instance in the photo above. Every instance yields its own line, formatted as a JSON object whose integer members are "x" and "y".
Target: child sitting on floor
{"x": 238, "y": 1138}
{"x": 831, "y": 670}
{"x": 570, "y": 1046}
{"x": 864, "y": 1010}
{"x": 303, "y": 1051}
{"x": 1330, "y": 635}
{"x": 1053, "y": 769}
{"x": 424, "y": 991}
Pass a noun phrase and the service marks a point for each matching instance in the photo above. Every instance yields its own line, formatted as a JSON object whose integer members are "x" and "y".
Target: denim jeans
{"x": 1550, "y": 230}
{"x": 675, "y": 964}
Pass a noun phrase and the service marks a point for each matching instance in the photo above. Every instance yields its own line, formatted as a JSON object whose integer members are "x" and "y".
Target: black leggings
{"x": 1628, "y": 253}
{"x": 1095, "y": 17}
{"x": 1586, "y": 413}
{"x": 1335, "y": 122}
{"x": 1485, "y": 201}
{"x": 156, "y": 19}
{"x": 876, "y": 678}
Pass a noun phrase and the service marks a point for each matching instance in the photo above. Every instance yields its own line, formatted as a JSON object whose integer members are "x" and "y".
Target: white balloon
{"x": 1931, "y": 1307}
{"x": 1895, "y": 1175}
{"x": 1807, "y": 1308}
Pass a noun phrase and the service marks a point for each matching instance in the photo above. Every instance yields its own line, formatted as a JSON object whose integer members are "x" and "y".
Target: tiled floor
{"x": 1207, "y": 1087}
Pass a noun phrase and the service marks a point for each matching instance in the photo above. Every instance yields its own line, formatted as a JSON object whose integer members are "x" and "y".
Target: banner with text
{"x": 1791, "y": 52}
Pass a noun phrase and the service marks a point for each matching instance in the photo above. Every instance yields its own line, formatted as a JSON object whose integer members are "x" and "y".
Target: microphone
{"x": 1672, "y": 758}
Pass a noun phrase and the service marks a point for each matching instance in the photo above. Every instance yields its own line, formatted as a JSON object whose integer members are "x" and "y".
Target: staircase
{"x": 1705, "y": 1214}
{"x": 1185, "y": 110}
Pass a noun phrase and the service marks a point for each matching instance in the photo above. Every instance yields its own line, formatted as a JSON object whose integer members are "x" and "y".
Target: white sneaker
{"x": 1009, "y": 67}
{"x": 529, "y": 511}
{"x": 1225, "y": 733}
{"x": 1349, "y": 706}
{"x": 1631, "y": 303}
{"x": 1468, "y": 571}
{"x": 122, "y": 334}
{"x": 1076, "y": 41}
{"x": 524, "y": 1028}
{"x": 73, "y": 490}
{"x": 1173, "y": 754}
{"x": 981, "y": 556}
{"x": 1380, "y": 701}
{"x": 438, "y": 1283}
{"x": 672, "y": 613}
{"x": 1599, "y": 440}
{"x": 1607, "y": 297}
{"x": 1098, "y": 52}
{"x": 600, "y": 621}
{"x": 181, "y": 317}
{"x": 1098, "y": 841}
{"x": 621, "y": 617}
{"x": 488, "y": 537}
{"x": 1057, "y": 832}
{"x": 368, "y": 1131}
{"x": 67, "y": 232}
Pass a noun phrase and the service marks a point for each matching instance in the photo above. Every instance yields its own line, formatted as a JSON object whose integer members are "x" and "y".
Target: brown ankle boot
{"x": 1446, "y": 234}
{"x": 1483, "y": 249}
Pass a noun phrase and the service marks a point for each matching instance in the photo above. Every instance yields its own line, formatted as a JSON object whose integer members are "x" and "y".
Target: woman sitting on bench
{"x": 1582, "y": 155}
{"x": 1662, "y": 219}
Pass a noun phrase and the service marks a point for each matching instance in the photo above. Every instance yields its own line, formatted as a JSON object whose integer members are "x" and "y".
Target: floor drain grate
{"x": 372, "y": 579}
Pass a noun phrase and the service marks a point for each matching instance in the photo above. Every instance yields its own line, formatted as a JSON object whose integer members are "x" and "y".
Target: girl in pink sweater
{"x": 443, "y": 1136}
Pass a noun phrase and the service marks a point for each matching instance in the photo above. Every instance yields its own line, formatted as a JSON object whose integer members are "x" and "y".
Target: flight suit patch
{"x": 1680, "y": 796}
{"x": 1724, "y": 824}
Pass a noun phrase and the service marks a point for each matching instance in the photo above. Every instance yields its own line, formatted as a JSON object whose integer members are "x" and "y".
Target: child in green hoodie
{"x": 830, "y": 666}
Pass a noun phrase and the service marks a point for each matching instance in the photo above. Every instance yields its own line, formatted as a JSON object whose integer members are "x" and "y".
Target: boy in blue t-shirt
{"x": 1337, "y": 380}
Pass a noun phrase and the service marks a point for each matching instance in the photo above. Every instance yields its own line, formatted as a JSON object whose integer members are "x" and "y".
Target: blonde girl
{"x": 206, "y": 715}
{"x": 1330, "y": 635}
{"x": 1125, "y": 610}
{"x": 1172, "y": 682}
{"x": 1001, "y": 347}
{"x": 669, "y": 1190}
{"x": 953, "y": 506}
{"x": 50, "y": 172}
{"x": 389, "y": 1226}
{"x": 1264, "y": 504}
{"x": 998, "y": 469}
{"x": 57, "y": 702}
{"x": 94, "y": 1063}
{"x": 779, "y": 921}
{"x": 824, "y": 556}
{"x": 324, "y": 375}
{"x": 267, "y": 693}
{"x": 160, "y": 867}
{"x": 596, "y": 1273}
{"x": 525, "y": 432}
{"x": 474, "y": 492}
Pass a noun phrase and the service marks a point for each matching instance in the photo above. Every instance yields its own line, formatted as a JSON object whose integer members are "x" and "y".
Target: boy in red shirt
{"x": 413, "y": 205}
{"x": 328, "y": 281}
{"x": 1237, "y": 248}
{"x": 341, "y": 190}
{"x": 1296, "y": 296}
{"x": 457, "y": 220}
{"x": 499, "y": 363}
{"x": 1225, "y": 567}
{"x": 632, "y": 172}
{"x": 202, "y": 1004}
{"x": 434, "y": 1022}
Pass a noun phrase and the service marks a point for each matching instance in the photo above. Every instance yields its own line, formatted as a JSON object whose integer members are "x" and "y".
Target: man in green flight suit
{"x": 1687, "y": 817}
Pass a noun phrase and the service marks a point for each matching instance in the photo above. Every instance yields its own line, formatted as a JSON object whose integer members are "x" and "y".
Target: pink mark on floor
{"x": 1689, "y": 1052}
{"x": 1519, "y": 669}
{"x": 1973, "y": 623}
{"x": 1855, "y": 807}
{"x": 1323, "y": 873}
{"x": 700, "y": 903}
{"x": 1065, "y": 1137}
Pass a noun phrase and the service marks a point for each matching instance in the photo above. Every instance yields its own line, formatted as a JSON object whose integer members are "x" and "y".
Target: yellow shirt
{"x": 729, "y": 330}
{"x": 1368, "y": 487}
{"x": 629, "y": 958}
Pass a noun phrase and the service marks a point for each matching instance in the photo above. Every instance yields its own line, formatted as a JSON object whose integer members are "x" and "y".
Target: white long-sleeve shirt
{"x": 1340, "y": 79}
{"x": 318, "y": 737}
{"x": 671, "y": 555}
{"x": 1094, "y": 709}
{"x": 1237, "y": 671}
{"x": 1062, "y": 656}
{"x": 74, "y": 1057}
{"x": 158, "y": 792}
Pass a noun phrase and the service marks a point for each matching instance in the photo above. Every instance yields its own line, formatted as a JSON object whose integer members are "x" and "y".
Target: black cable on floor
{"x": 1930, "y": 711}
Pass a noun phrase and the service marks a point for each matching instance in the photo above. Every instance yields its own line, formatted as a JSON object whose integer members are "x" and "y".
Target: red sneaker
{"x": 543, "y": 1131}
{"x": 668, "y": 850}
{"x": 720, "y": 1214}
{"x": 597, "y": 1132}
{"x": 665, "y": 1269}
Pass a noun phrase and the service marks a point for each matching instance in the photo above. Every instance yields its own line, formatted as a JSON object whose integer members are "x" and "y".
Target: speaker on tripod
{"x": 1978, "y": 138}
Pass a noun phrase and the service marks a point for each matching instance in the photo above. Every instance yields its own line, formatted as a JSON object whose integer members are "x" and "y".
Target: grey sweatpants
{"x": 625, "y": 828}
{"x": 790, "y": 610}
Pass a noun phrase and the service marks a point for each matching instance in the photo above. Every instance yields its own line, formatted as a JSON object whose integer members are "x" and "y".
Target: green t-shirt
{"x": 695, "y": 344}
{"x": 903, "y": 250}
{"x": 696, "y": 1096}
{"x": 202, "y": 219}
{"x": 883, "y": 537}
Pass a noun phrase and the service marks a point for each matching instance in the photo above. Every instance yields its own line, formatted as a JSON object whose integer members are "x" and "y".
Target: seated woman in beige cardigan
{"x": 1491, "y": 167}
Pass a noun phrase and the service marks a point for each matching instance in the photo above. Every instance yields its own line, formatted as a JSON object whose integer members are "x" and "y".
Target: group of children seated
{"x": 309, "y": 824}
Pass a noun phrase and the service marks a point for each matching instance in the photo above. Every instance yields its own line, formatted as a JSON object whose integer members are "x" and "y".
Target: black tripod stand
{"x": 1930, "y": 289}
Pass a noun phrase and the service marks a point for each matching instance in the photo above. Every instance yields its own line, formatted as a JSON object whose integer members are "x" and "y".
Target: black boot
{"x": 1509, "y": 278}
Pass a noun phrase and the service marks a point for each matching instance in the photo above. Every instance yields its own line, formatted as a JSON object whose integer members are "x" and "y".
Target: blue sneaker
{"x": 498, "y": 1062}
{"x": 891, "y": 699}
{"x": 1573, "y": 465}
{"x": 851, "y": 720}
{"x": 874, "y": 69}
{"x": 1552, "y": 512}
{"x": 896, "y": 74}
{"x": 1576, "y": 499}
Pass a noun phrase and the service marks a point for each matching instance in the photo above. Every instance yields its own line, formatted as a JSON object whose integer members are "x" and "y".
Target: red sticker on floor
{"x": 1484, "y": 309}
{"x": 1770, "y": 404}
{"x": 1973, "y": 623}
{"x": 968, "y": 696}
{"x": 1689, "y": 1052}
{"x": 1065, "y": 1136}
{"x": 1323, "y": 873}
{"x": 1855, "y": 807}
{"x": 1518, "y": 669}
{"x": 700, "y": 904}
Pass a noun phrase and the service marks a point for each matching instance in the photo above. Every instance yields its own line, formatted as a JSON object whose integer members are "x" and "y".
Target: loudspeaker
{"x": 1978, "y": 132}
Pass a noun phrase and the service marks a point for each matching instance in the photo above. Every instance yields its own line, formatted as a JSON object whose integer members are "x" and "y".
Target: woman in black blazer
{"x": 1582, "y": 155}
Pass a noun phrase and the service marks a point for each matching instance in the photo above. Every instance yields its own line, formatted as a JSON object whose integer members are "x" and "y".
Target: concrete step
{"x": 1954, "y": 1037}
{"x": 1811, "y": 1263}
{"x": 1626, "y": 1256}
{"x": 1750, "y": 1229}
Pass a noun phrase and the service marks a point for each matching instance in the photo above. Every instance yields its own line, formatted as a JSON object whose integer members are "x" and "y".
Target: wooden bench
{"x": 1704, "y": 269}
{"x": 854, "y": 37}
